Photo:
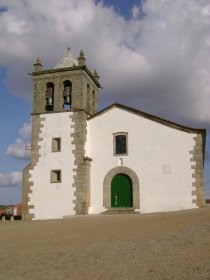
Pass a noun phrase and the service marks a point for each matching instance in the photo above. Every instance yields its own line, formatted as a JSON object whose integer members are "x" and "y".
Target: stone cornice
{"x": 73, "y": 68}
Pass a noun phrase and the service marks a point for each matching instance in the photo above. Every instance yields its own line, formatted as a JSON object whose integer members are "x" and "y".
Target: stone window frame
{"x": 55, "y": 176}
{"x": 114, "y": 143}
{"x": 56, "y": 144}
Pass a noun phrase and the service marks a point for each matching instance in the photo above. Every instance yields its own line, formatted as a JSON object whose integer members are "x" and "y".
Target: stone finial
{"x": 37, "y": 65}
{"x": 95, "y": 74}
{"x": 81, "y": 59}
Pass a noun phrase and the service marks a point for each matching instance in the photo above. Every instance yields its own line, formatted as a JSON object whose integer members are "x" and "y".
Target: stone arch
{"x": 107, "y": 185}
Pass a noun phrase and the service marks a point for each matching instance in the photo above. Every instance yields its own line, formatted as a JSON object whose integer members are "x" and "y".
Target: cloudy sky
{"x": 153, "y": 55}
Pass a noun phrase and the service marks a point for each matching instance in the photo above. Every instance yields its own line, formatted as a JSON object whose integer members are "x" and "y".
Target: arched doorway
{"x": 121, "y": 191}
{"x": 107, "y": 185}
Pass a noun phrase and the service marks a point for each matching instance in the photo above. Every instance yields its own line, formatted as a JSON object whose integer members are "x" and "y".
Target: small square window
{"x": 56, "y": 144}
{"x": 120, "y": 144}
{"x": 55, "y": 176}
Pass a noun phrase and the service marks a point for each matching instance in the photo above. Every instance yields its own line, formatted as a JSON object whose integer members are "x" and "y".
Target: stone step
{"x": 120, "y": 211}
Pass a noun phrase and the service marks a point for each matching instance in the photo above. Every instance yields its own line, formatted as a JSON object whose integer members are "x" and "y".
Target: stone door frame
{"x": 107, "y": 185}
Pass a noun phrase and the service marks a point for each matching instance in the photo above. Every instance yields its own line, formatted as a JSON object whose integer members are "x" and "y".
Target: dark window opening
{"x": 88, "y": 98}
{"x": 55, "y": 176}
{"x": 120, "y": 144}
{"x": 49, "y": 96}
{"x": 56, "y": 144}
{"x": 93, "y": 102}
{"x": 67, "y": 95}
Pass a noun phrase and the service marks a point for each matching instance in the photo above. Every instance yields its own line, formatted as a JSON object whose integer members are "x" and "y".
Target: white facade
{"x": 89, "y": 162}
{"x": 53, "y": 200}
{"x": 158, "y": 154}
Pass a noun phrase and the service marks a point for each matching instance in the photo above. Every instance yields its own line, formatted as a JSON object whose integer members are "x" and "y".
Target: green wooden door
{"x": 121, "y": 191}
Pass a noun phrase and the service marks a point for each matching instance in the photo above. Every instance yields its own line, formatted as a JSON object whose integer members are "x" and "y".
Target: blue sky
{"x": 152, "y": 55}
{"x": 15, "y": 111}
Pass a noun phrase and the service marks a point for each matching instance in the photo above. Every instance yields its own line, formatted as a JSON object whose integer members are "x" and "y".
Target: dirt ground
{"x": 173, "y": 245}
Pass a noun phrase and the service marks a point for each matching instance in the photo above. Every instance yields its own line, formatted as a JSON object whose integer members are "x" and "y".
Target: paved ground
{"x": 161, "y": 246}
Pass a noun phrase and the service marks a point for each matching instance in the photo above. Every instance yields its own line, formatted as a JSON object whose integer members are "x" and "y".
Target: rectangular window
{"x": 56, "y": 144}
{"x": 55, "y": 176}
{"x": 120, "y": 144}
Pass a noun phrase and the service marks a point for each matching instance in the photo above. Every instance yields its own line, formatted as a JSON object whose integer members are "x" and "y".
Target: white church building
{"x": 119, "y": 159}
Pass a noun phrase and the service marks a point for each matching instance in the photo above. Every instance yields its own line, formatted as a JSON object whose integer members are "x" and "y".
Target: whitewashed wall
{"x": 53, "y": 200}
{"x": 158, "y": 154}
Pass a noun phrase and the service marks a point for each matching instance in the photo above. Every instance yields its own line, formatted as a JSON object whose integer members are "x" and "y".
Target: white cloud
{"x": 18, "y": 150}
{"x": 25, "y": 130}
{"x": 135, "y": 11}
{"x": 158, "y": 62}
{"x": 10, "y": 180}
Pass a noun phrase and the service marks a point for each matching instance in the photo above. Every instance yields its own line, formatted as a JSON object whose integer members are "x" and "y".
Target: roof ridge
{"x": 148, "y": 116}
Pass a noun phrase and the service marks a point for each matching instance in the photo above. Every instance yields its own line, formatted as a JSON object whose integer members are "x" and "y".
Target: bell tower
{"x": 68, "y": 86}
{"x": 63, "y": 98}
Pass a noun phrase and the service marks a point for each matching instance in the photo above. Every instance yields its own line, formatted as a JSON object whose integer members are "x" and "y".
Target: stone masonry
{"x": 27, "y": 183}
{"x": 197, "y": 166}
{"x": 81, "y": 183}
{"x": 84, "y": 102}
{"x": 79, "y": 79}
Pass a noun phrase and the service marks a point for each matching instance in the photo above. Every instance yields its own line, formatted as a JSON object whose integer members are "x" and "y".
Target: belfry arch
{"x": 107, "y": 185}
